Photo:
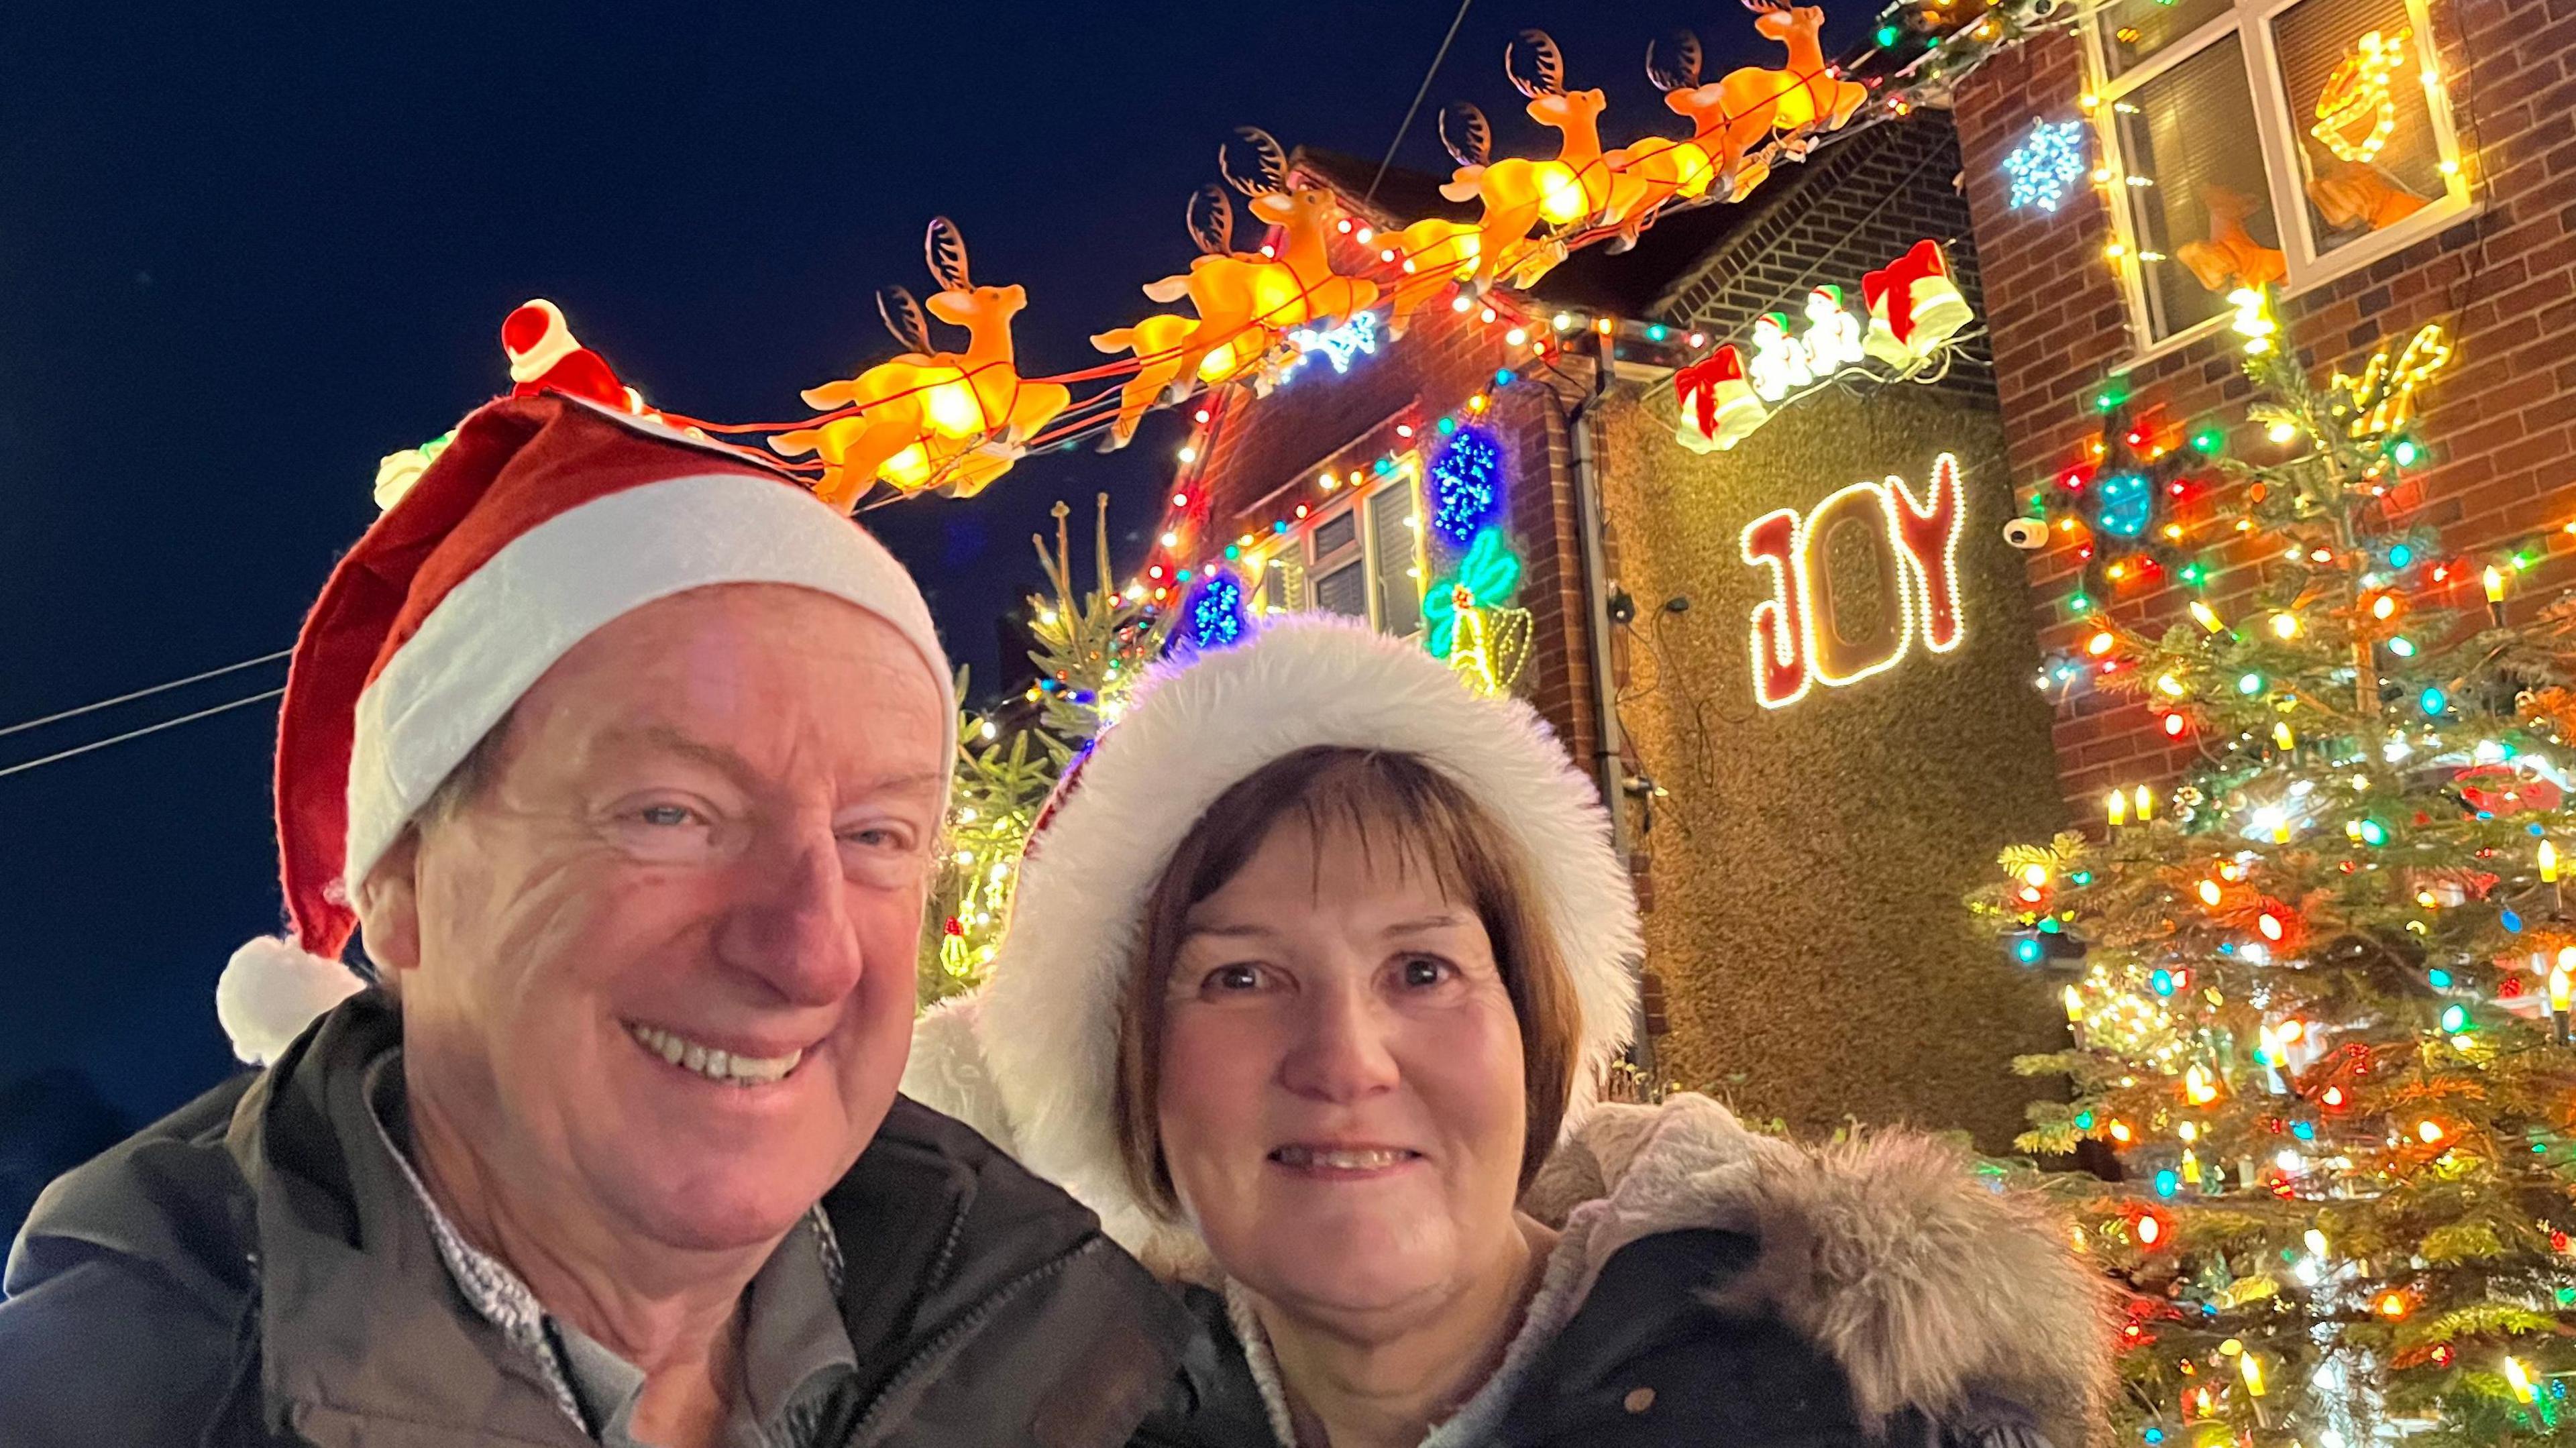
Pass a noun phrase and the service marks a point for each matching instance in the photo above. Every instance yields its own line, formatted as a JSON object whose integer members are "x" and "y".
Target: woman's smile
{"x": 1337, "y": 1162}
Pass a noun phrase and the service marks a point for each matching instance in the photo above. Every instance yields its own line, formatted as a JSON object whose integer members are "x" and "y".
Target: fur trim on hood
{"x": 1930, "y": 1287}
{"x": 1043, "y": 1035}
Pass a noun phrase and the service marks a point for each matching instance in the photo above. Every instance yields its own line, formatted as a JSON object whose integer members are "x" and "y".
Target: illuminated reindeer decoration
{"x": 1751, "y": 105}
{"x": 1246, "y": 301}
{"x": 956, "y": 420}
{"x": 1160, "y": 343}
{"x": 1519, "y": 193}
{"x": 1432, "y": 253}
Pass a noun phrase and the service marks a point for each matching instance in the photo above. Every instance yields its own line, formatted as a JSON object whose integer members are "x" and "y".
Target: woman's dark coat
{"x": 1745, "y": 1293}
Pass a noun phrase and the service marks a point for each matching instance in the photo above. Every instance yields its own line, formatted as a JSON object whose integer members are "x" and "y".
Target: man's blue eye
{"x": 665, "y": 814}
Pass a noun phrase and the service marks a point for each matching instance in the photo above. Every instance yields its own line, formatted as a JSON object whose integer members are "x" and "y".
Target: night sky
{"x": 246, "y": 250}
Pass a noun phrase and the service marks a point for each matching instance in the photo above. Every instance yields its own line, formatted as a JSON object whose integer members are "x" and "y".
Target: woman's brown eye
{"x": 1420, "y": 972}
{"x": 1234, "y": 977}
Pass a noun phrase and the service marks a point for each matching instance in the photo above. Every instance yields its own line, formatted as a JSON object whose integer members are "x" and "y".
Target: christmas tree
{"x": 1091, "y": 647}
{"x": 2319, "y": 991}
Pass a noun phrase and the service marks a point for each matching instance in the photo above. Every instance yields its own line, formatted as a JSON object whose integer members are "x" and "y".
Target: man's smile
{"x": 714, "y": 1063}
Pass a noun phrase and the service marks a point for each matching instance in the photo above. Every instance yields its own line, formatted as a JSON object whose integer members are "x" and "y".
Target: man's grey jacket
{"x": 254, "y": 1270}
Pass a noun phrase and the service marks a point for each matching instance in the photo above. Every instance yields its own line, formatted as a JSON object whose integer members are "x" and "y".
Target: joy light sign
{"x": 1806, "y": 633}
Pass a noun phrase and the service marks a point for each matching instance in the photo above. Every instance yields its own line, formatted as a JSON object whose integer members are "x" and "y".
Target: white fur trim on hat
{"x": 500, "y": 628}
{"x": 1047, "y": 1023}
{"x": 271, "y": 990}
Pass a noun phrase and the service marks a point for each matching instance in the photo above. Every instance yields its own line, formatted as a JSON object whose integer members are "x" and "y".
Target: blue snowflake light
{"x": 1215, "y": 618}
{"x": 1466, "y": 485}
{"x": 2046, "y": 165}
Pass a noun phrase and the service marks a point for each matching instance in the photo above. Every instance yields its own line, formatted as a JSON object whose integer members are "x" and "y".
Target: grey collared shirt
{"x": 795, "y": 1348}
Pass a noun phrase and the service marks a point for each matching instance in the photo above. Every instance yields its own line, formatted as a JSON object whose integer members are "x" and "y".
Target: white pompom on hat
{"x": 1045, "y": 1025}
{"x": 544, "y": 519}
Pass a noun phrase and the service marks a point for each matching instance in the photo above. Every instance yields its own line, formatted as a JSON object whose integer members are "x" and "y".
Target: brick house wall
{"x": 1319, "y": 422}
{"x": 2500, "y": 422}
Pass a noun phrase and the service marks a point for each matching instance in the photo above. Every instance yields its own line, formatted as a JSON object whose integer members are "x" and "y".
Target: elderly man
{"x": 628, "y": 758}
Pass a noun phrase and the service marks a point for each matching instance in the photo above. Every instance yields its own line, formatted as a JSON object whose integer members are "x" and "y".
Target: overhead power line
{"x": 1423, "y": 90}
{"x": 24, "y": 726}
{"x": 79, "y": 749}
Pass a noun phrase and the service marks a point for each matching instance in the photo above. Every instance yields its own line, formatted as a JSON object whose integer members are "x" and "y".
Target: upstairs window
{"x": 1359, "y": 556}
{"x": 2266, "y": 142}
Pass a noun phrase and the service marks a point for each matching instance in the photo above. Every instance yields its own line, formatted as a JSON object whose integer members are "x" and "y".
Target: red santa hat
{"x": 1031, "y": 1060}
{"x": 543, "y": 520}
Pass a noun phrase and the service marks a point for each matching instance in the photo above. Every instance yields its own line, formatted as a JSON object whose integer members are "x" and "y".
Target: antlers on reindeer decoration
{"x": 1751, "y": 105}
{"x": 1519, "y": 193}
{"x": 954, "y": 420}
{"x": 1246, "y": 300}
{"x": 1159, "y": 341}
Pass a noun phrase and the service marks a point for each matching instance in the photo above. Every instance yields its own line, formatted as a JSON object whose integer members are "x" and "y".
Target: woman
{"x": 1312, "y": 962}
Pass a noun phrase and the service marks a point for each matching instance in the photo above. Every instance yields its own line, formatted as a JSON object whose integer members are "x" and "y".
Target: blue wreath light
{"x": 1466, "y": 485}
{"x": 2045, "y": 166}
{"x": 2123, "y": 504}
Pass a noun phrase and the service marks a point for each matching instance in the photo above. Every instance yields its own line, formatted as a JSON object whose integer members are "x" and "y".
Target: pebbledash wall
{"x": 1809, "y": 861}
{"x": 2500, "y": 421}
{"x": 1804, "y": 866}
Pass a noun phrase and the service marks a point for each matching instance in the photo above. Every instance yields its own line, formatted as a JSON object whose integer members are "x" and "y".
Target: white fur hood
{"x": 1929, "y": 1286}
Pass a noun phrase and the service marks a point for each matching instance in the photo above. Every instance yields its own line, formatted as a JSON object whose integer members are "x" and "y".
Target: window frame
{"x": 2275, "y": 125}
{"x": 1352, "y": 501}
